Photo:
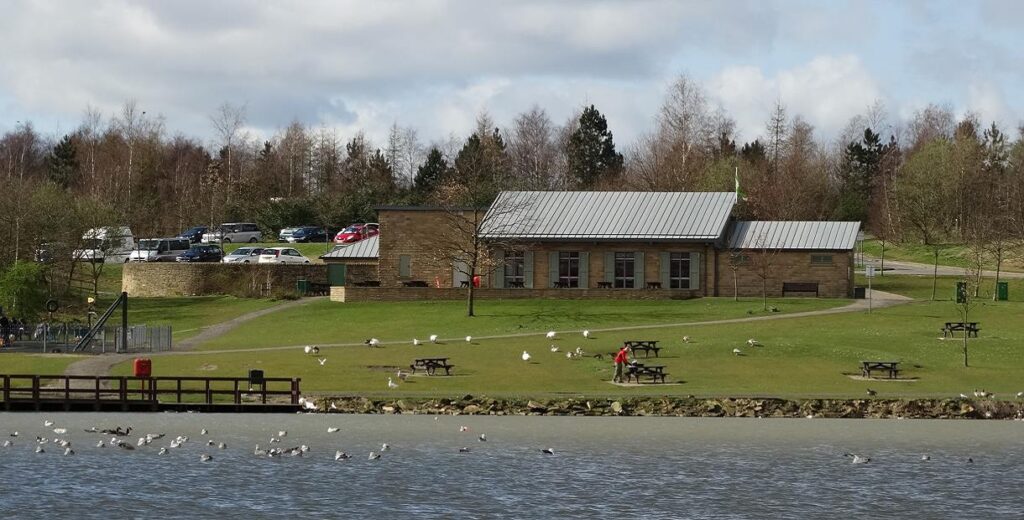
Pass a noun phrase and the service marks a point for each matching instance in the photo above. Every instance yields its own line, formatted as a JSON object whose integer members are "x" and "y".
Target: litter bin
{"x": 255, "y": 377}
{"x": 1003, "y": 291}
{"x": 142, "y": 367}
{"x": 302, "y": 286}
{"x": 859, "y": 293}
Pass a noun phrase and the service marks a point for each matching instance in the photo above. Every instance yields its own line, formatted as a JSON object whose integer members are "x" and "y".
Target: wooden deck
{"x": 23, "y": 392}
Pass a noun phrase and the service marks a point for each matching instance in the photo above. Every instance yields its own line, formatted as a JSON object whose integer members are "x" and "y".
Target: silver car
{"x": 244, "y": 255}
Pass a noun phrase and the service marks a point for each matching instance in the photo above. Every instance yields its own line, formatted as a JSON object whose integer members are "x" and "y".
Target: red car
{"x": 357, "y": 232}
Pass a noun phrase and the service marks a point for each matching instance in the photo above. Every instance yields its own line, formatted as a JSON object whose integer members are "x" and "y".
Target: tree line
{"x": 934, "y": 178}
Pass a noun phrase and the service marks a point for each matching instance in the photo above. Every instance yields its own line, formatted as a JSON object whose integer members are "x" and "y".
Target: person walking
{"x": 621, "y": 358}
{"x": 5, "y": 331}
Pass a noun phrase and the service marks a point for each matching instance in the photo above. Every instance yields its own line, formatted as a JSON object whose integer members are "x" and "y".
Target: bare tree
{"x": 736, "y": 260}
{"x": 762, "y": 260}
{"x": 228, "y": 121}
{"x": 533, "y": 150}
{"x": 965, "y": 301}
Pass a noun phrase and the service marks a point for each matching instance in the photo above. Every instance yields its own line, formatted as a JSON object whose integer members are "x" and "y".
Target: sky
{"x": 434, "y": 65}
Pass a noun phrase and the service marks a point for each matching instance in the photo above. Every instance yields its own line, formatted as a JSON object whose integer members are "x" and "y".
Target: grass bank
{"x": 956, "y": 255}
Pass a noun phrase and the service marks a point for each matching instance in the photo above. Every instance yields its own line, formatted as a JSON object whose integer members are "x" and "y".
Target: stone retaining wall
{"x": 364, "y": 294}
{"x": 206, "y": 279}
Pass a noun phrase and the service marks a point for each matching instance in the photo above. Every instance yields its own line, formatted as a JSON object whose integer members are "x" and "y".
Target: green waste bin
{"x": 1003, "y": 291}
{"x": 302, "y": 286}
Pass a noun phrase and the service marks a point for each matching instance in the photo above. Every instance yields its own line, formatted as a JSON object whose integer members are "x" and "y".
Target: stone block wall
{"x": 202, "y": 279}
{"x": 378, "y": 294}
{"x": 834, "y": 280}
{"x": 413, "y": 232}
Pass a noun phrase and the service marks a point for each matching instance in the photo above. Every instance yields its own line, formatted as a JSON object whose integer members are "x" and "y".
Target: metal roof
{"x": 366, "y": 248}
{"x": 794, "y": 235}
{"x": 608, "y": 215}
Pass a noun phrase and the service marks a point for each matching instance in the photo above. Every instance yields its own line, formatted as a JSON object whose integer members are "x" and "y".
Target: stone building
{"x": 637, "y": 245}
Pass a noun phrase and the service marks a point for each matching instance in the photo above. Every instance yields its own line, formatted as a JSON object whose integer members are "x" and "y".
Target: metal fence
{"x": 62, "y": 337}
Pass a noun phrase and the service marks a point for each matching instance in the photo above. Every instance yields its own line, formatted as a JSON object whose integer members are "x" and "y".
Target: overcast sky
{"x": 434, "y": 65}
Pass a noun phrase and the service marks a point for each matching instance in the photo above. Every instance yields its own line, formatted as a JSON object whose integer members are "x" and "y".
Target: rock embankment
{"x": 684, "y": 407}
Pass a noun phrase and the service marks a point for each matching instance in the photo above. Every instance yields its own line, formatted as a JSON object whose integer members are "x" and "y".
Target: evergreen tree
{"x": 482, "y": 165}
{"x": 430, "y": 174}
{"x": 860, "y": 172}
{"x": 591, "y": 150}
{"x": 62, "y": 163}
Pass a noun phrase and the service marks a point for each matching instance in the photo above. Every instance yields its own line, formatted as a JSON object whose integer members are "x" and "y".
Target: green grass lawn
{"x": 188, "y": 315}
{"x": 956, "y": 255}
{"x": 327, "y": 322}
{"x": 49, "y": 364}
{"x": 920, "y": 287}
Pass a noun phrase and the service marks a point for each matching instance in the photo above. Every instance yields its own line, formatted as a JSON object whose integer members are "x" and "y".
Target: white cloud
{"x": 986, "y": 100}
{"x": 826, "y": 91}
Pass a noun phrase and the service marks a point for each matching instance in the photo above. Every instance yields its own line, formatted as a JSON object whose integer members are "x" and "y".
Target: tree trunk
{"x": 995, "y": 286}
{"x": 764, "y": 293}
{"x": 965, "y": 337}
{"x": 881, "y": 269}
{"x": 935, "y": 273}
{"x": 469, "y": 299}
{"x": 735, "y": 287}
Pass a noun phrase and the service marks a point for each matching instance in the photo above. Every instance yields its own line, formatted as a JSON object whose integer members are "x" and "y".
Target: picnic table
{"x": 604, "y": 285}
{"x": 416, "y": 283}
{"x": 892, "y": 367}
{"x": 430, "y": 365}
{"x": 516, "y": 285}
{"x": 645, "y": 345}
{"x": 969, "y": 327}
{"x": 636, "y": 370}
{"x": 560, "y": 285}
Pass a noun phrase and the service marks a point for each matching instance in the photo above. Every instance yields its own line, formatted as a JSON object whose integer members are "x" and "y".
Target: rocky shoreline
{"x": 683, "y": 407}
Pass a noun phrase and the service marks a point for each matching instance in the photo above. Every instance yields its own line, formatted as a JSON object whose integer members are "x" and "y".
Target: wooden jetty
{"x": 148, "y": 394}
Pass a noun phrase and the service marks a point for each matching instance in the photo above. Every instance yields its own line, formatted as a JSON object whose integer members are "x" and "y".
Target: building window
{"x": 625, "y": 267}
{"x": 404, "y": 266}
{"x": 821, "y": 259}
{"x": 515, "y": 268}
{"x": 739, "y": 259}
{"x": 569, "y": 268}
{"x": 679, "y": 270}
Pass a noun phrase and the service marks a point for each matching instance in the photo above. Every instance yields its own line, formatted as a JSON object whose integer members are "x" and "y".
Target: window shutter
{"x": 694, "y": 270}
{"x": 584, "y": 270}
{"x": 665, "y": 270}
{"x": 499, "y": 271}
{"x": 404, "y": 266}
{"x": 609, "y": 267}
{"x": 638, "y": 270}
{"x": 528, "y": 269}
{"x": 552, "y": 268}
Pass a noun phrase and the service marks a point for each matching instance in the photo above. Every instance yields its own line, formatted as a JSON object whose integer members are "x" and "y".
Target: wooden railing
{"x": 49, "y": 388}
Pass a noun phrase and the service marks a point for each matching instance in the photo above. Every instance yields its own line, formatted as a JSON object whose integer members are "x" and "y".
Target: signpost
{"x": 869, "y": 273}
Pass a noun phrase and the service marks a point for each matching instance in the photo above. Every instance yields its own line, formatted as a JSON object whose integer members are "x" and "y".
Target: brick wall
{"x": 834, "y": 281}
{"x": 202, "y": 279}
{"x": 415, "y": 233}
{"x": 365, "y": 294}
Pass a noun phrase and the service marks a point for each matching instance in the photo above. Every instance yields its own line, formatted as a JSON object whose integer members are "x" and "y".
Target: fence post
{"x": 209, "y": 396}
{"x": 7, "y": 388}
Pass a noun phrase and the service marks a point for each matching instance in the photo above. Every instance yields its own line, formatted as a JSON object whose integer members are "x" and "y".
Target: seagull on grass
{"x": 415, "y": 342}
{"x": 686, "y": 339}
{"x": 433, "y": 338}
{"x": 753, "y": 342}
{"x": 526, "y": 356}
{"x": 554, "y": 348}
{"x": 551, "y": 334}
{"x": 373, "y": 342}
{"x": 586, "y": 334}
{"x": 391, "y": 384}
{"x": 322, "y": 361}
{"x": 469, "y": 339}
{"x": 737, "y": 351}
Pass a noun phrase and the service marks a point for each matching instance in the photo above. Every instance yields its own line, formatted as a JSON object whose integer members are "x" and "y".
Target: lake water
{"x": 602, "y": 468}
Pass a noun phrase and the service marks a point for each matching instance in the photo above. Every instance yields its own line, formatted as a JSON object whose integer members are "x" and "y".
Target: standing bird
{"x": 373, "y": 342}
{"x": 483, "y": 437}
{"x": 551, "y": 334}
{"x": 872, "y": 393}
{"x": 391, "y": 384}
{"x": 526, "y": 356}
{"x": 737, "y": 351}
{"x": 307, "y": 349}
{"x": 433, "y": 338}
{"x": 415, "y": 342}
{"x": 753, "y": 342}
{"x": 322, "y": 361}
{"x": 686, "y": 339}
{"x": 586, "y": 334}
{"x": 469, "y": 339}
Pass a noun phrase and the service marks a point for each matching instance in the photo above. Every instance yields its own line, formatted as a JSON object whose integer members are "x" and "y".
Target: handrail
{"x": 147, "y": 389}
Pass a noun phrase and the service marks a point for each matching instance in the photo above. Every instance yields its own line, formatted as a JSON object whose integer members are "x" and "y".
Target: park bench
{"x": 415, "y": 283}
{"x": 969, "y": 328}
{"x": 560, "y": 285}
{"x": 800, "y": 287}
{"x": 516, "y": 285}
{"x": 644, "y": 345}
{"x": 430, "y": 365}
{"x": 637, "y": 370}
{"x": 604, "y": 285}
{"x": 319, "y": 289}
{"x": 891, "y": 367}
{"x": 654, "y": 285}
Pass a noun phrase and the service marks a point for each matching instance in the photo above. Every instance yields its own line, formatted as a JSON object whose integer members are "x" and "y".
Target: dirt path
{"x": 100, "y": 365}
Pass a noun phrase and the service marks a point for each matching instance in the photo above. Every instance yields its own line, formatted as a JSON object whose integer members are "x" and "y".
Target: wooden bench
{"x": 969, "y": 328}
{"x": 891, "y": 367}
{"x": 319, "y": 289}
{"x": 430, "y": 365}
{"x": 637, "y": 370}
{"x": 800, "y": 287}
{"x": 645, "y": 345}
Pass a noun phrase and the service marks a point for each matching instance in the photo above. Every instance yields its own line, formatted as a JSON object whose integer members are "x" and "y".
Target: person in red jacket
{"x": 620, "y": 364}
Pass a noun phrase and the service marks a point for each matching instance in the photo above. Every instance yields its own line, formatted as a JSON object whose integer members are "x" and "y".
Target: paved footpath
{"x": 101, "y": 364}
{"x": 898, "y": 267}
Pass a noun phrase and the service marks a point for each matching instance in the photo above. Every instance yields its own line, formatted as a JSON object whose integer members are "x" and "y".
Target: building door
{"x": 460, "y": 274}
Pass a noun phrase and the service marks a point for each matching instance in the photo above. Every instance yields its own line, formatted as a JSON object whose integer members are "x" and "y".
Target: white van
{"x": 159, "y": 249}
{"x": 106, "y": 244}
{"x": 234, "y": 232}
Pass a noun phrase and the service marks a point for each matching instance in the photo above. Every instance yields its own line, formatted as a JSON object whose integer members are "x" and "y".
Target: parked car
{"x": 234, "y": 232}
{"x": 243, "y": 255}
{"x": 282, "y": 255}
{"x": 195, "y": 234}
{"x": 357, "y": 232}
{"x": 106, "y": 244}
{"x": 158, "y": 249}
{"x": 202, "y": 253}
{"x": 303, "y": 234}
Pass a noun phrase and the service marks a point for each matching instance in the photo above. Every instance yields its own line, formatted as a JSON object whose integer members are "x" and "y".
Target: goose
{"x": 857, "y": 459}
{"x": 737, "y": 351}
{"x": 872, "y": 392}
{"x": 433, "y": 338}
{"x": 526, "y": 356}
{"x": 316, "y": 350}
{"x": 205, "y": 458}
{"x": 258, "y": 451}
{"x": 163, "y": 451}
{"x": 222, "y": 446}
{"x": 47, "y": 423}
{"x": 8, "y": 443}
{"x": 341, "y": 455}
{"x": 307, "y": 349}
{"x": 373, "y": 456}
{"x": 391, "y": 384}
{"x": 482, "y": 437}
{"x": 332, "y": 429}
{"x": 548, "y": 451}
{"x": 551, "y": 334}
{"x": 322, "y": 361}
{"x": 415, "y": 342}
{"x": 469, "y": 339}
{"x": 60, "y": 431}
{"x": 586, "y": 334}
{"x": 464, "y": 449}
{"x": 203, "y": 431}
{"x": 100, "y": 444}
{"x": 68, "y": 451}
{"x": 385, "y": 447}
{"x": 554, "y": 348}
{"x": 39, "y": 449}
{"x": 401, "y": 375}
{"x": 753, "y": 342}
